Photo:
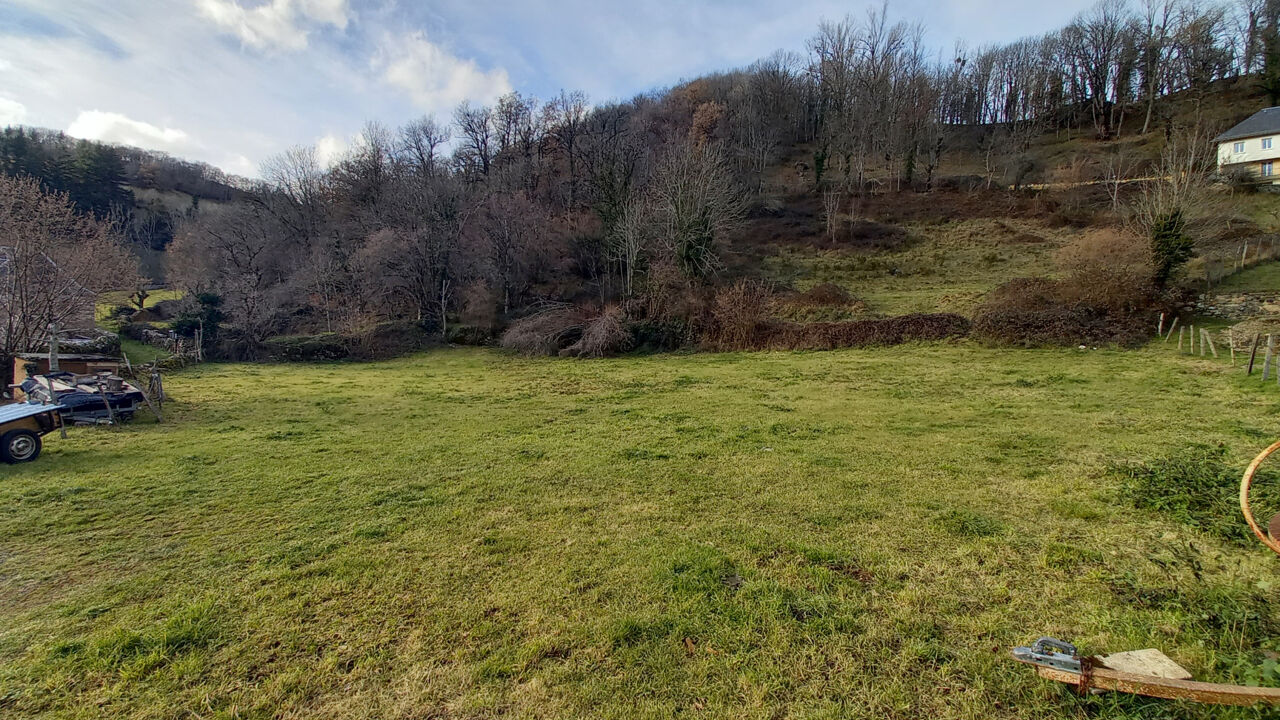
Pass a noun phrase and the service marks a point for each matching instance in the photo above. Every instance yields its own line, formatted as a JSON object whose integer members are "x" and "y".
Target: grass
{"x": 465, "y": 534}
{"x": 948, "y": 267}
{"x": 108, "y": 301}
{"x": 1259, "y": 278}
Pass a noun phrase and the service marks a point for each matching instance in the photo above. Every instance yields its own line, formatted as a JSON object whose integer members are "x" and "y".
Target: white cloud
{"x": 278, "y": 24}
{"x": 435, "y": 79}
{"x": 12, "y": 112}
{"x": 330, "y": 149}
{"x": 112, "y": 127}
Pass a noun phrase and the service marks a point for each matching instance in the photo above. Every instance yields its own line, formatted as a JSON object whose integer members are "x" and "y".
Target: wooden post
{"x": 53, "y": 348}
{"x": 154, "y": 411}
{"x": 111, "y": 412}
{"x": 53, "y": 400}
{"x": 1208, "y": 338}
{"x": 1172, "y": 325}
{"x": 1266, "y": 364}
{"x": 1160, "y": 326}
{"x": 1181, "y": 333}
{"x": 1231, "y": 338}
{"x": 1202, "y": 334}
{"x": 1253, "y": 354}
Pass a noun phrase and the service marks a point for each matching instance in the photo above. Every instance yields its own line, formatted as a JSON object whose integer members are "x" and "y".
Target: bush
{"x": 823, "y": 295}
{"x": 302, "y": 348}
{"x": 470, "y": 335}
{"x": 862, "y": 333}
{"x": 388, "y": 339}
{"x": 1106, "y": 296}
{"x": 1107, "y": 270}
{"x": 740, "y": 316}
{"x": 603, "y": 335}
{"x": 545, "y": 333}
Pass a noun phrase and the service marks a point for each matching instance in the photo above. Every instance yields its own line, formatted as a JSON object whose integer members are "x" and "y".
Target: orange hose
{"x": 1245, "y": 485}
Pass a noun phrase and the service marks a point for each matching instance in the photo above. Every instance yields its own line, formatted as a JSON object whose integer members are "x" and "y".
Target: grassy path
{"x": 465, "y": 534}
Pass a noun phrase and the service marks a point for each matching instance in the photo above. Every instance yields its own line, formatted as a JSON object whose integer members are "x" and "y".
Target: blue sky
{"x": 232, "y": 82}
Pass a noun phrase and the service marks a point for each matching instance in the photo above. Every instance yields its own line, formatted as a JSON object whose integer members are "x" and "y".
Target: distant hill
{"x": 147, "y": 192}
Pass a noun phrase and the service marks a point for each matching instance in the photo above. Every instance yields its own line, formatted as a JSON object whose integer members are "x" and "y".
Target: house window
{"x": 1266, "y": 169}
{"x": 1266, "y": 143}
{"x": 1238, "y": 147}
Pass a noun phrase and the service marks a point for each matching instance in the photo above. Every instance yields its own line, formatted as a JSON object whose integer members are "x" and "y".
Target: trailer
{"x": 86, "y": 399}
{"x": 21, "y": 427}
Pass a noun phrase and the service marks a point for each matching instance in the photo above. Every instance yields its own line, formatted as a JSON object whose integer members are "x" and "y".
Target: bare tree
{"x": 630, "y": 241}
{"x": 475, "y": 127}
{"x": 695, "y": 204}
{"x": 53, "y": 262}
{"x": 420, "y": 142}
{"x": 232, "y": 251}
{"x": 566, "y": 118}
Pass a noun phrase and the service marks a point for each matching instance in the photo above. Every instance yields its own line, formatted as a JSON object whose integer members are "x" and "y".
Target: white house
{"x": 1253, "y": 145}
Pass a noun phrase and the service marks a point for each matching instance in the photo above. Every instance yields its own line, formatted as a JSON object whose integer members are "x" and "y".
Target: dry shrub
{"x": 873, "y": 236}
{"x": 603, "y": 335}
{"x": 861, "y": 333}
{"x": 740, "y": 316}
{"x": 826, "y": 302}
{"x": 823, "y": 295}
{"x": 1105, "y": 296}
{"x": 1037, "y": 312}
{"x": 546, "y": 332}
{"x": 479, "y": 306}
{"x": 1107, "y": 269}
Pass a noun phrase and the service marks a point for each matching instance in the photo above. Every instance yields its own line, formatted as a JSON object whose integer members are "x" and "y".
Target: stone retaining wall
{"x": 1238, "y": 306}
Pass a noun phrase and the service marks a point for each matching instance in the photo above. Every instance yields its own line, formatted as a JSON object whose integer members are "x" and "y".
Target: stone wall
{"x": 1238, "y": 306}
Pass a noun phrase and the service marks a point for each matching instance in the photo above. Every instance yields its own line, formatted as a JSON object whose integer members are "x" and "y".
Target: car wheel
{"x": 17, "y": 446}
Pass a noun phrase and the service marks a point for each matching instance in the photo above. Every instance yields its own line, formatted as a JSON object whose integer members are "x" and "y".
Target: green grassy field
{"x": 463, "y": 534}
{"x": 1259, "y": 278}
{"x": 947, "y": 268}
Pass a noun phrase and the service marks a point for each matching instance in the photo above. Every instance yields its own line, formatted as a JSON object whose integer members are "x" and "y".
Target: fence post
{"x": 1181, "y": 332}
{"x": 1253, "y": 354}
{"x": 1266, "y": 364}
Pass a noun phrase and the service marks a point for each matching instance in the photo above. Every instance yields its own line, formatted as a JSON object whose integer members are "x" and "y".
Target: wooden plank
{"x": 1173, "y": 325}
{"x": 1167, "y": 688}
{"x": 1253, "y": 354}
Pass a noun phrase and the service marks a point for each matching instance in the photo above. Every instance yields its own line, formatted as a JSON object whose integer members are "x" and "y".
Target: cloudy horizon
{"x": 233, "y": 82}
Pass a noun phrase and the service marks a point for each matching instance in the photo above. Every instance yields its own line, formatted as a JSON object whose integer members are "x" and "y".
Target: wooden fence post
{"x": 1208, "y": 338}
{"x": 1160, "y": 326}
{"x": 1266, "y": 364}
{"x": 1181, "y": 332}
{"x": 1253, "y": 354}
{"x": 1231, "y": 339}
{"x": 1172, "y": 326}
